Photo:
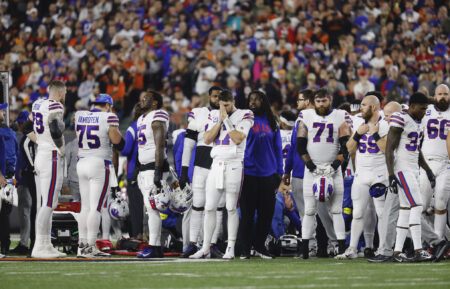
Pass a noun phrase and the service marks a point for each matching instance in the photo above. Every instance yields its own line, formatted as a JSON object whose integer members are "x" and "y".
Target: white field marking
{"x": 391, "y": 284}
{"x": 28, "y": 273}
{"x": 413, "y": 279}
{"x": 340, "y": 278}
{"x": 176, "y": 274}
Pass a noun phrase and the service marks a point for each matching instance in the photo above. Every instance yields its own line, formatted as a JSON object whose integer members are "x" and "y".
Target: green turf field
{"x": 248, "y": 274}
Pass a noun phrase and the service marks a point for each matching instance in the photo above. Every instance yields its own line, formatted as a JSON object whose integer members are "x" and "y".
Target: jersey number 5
{"x": 142, "y": 140}
{"x": 93, "y": 140}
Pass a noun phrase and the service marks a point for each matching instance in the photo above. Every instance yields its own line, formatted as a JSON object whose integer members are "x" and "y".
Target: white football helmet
{"x": 180, "y": 200}
{"x": 118, "y": 209}
{"x": 323, "y": 188}
{"x": 9, "y": 193}
{"x": 159, "y": 198}
{"x": 289, "y": 242}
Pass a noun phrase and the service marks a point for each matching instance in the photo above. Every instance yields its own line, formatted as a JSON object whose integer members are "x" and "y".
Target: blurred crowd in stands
{"x": 183, "y": 47}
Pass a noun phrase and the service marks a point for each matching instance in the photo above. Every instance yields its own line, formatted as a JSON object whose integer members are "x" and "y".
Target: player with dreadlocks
{"x": 263, "y": 166}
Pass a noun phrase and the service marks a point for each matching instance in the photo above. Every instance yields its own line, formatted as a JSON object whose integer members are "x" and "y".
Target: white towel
{"x": 220, "y": 168}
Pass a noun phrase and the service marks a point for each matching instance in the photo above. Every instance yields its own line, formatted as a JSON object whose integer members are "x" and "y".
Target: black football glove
{"x": 393, "y": 184}
{"x": 184, "y": 179}
{"x": 157, "y": 178}
{"x": 432, "y": 178}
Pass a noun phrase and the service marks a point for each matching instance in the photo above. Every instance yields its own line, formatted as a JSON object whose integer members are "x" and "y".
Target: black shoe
{"x": 264, "y": 254}
{"x": 20, "y": 250}
{"x": 191, "y": 250}
{"x": 369, "y": 253}
{"x": 380, "y": 259}
{"x": 422, "y": 256}
{"x": 305, "y": 249}
{"x": 440, "y": 250}
{"x": 245, "y": 256}
{"x": 159, "y": 252}
{"x": 401, "y": 258}
{"x": 215, "y": 252}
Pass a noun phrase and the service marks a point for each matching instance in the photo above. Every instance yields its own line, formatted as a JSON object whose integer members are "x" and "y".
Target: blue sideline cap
{"x": 23, "y": 115}
{"x": 3, "y": 106}
{"x": 103, "y": 98}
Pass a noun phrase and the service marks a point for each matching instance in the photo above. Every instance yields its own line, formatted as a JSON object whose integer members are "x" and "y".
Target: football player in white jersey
{"x": 371, "y": 180}
{"x": 435, "y": 153}
{"x": 152, "y": 136}
{"x": 403, "y": 167}
{"x": 198, "y": 118}
{"x": 287, "y": 123}
{"x": 48, "y": 129}
{"x": 227, "y": 131}
{"x": 97, "y": 130}
{"x": 321, "y": 141}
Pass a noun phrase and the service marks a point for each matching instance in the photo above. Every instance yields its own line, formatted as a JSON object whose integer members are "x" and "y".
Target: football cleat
{"x": 400, "y": 258}
{"x": 20, "y": 250}
{"x": 245, "y": 256}
{"x": 201, "y": 255}
{"x": 93, "y": 252}
{"x": 215, "y": 252}
{"x": 349, "y": 254}
{"x": 369, "y": 253}
{"x": 44, "y": 251}
{"x": 153, "y": 252}
{"x": 191, "y": 250}
{"x": 80, "y": 250}
{"x": 440, "y": 250}
{"x": 380, "y": 259}
{"x": 228, "y": 256}
{"x": 422, "y": 256}
{"x": 61, "y": 254}
{"x": 264, "y": 254}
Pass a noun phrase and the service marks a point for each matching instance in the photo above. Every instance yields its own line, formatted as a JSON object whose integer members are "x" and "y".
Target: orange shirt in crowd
{"x": 117, "y": 91}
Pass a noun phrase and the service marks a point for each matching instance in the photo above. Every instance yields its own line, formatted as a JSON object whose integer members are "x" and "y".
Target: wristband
{"x": 357, "y": 136}
{"x": 376, "y": 137}
{"x": 335, "y": 165}
{"x": 311, "y": 166}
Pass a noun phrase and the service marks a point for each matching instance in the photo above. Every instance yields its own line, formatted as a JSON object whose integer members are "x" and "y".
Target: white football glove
{"x": 328, "y": 171}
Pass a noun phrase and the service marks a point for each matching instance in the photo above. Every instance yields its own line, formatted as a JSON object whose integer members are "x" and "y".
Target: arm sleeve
{"x": 279, "y": 152}
{"x": 25, "y": 147}
{"x": 161, "y": 115}
{"x": 292, "y": 150}
{"x": 294, "y": 218}
{"x": 188, "y": 147}
{"x": 397, "y": 120}
{"x": 129, "y": 142}
{"x": 112, "y": 120}
{"x": 246, "y": 123}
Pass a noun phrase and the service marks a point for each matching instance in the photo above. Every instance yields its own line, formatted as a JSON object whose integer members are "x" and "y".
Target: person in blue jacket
{"x": 136, "y": 203}
{"x": 284, "y": 207}
{"x": 263, "y": 168}
{"x": 8, "y": 157}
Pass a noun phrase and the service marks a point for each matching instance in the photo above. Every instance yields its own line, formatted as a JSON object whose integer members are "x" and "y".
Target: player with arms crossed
{"x": 48, "y": 126}
{"x": 435, "y": 153}
{"x": 97, "y": 130}
{"x": 371, "y": 179}
{"x": 198, "y": 118}
{"x": 152, "y": 135}
{"x": 403, "y": 157}
{"x": 228, "y": 134}
{"x": 321, "y": 143}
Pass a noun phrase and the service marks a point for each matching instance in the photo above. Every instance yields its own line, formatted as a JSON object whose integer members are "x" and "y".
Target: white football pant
{"x": 362, "y": 217}
{"x": 224, "y": 178}
{"x": 145, "y": 183}
{"x": 49, "y": 169}
{"x": 94, "y": 178}
{"x": 441, "y": 170}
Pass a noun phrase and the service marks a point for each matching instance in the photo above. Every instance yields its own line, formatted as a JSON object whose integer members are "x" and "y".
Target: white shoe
{"x": 94, "y": 252}
{"x": 2, "y": 256}
{"x": 350, "y": 253}
{"x": 56, "y": 251}
{"x": 229, "y": 255}
{"x": 80, "y": 250}
{"x": 200, "y": 255}
{"x": 44, "y": 252}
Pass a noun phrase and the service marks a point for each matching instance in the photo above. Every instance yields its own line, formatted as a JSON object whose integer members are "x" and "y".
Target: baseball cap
{"x": 103, "y": 98}
{"x": 23, "y": 115}
{"x": 3, "y": 106}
